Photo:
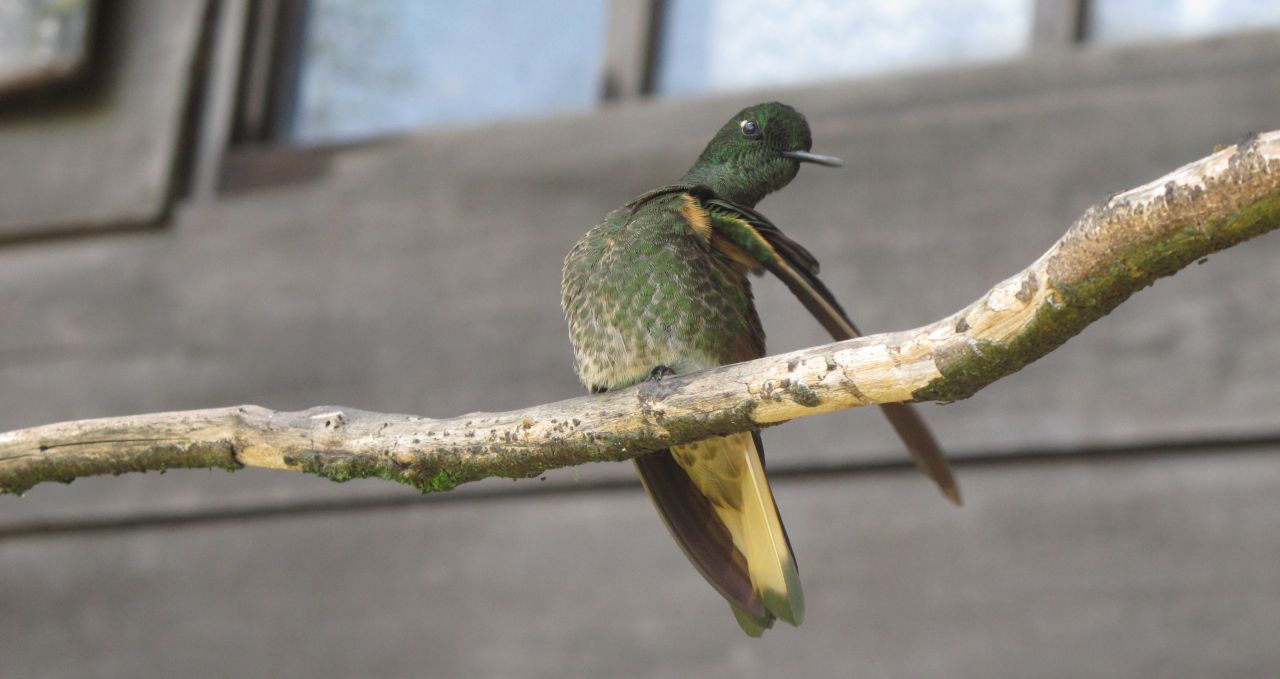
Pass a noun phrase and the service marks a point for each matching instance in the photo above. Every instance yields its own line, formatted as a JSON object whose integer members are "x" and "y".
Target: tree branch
{"x": 1112, "y": 251}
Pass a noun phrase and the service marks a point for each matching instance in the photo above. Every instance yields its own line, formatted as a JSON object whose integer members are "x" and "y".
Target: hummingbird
{"x": 662, "y": 287}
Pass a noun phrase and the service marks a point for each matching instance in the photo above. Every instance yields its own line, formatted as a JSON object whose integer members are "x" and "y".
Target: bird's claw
{"x": 658, "y": 373}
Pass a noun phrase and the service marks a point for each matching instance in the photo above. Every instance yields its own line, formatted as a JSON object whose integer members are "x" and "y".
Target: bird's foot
{"x": 658, "y": 373}
{"x": 652, "y": 388}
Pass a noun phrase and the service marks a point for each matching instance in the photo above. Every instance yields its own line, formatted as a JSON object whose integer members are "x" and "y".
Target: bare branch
{"x": 1114, "y": 250}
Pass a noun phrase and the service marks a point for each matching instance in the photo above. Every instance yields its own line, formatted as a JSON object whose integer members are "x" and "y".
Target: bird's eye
{"x": 751, "y": 129}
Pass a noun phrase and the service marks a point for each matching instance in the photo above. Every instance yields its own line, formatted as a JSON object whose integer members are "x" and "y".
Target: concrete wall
{"x": 1122, "y": 492}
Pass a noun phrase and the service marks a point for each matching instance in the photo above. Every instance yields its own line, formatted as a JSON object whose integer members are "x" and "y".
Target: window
{"x": 1119, "y": 21}
{"x": 101, "y": 153}
{"x": 42, "y": 42}
{"x": 373, "y": 69}
{"x": 735, "y": 44}
{"x": 366, "y": 70}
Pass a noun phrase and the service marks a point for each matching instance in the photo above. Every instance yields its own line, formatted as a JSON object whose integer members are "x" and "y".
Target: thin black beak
{"x": 806, "y": 157}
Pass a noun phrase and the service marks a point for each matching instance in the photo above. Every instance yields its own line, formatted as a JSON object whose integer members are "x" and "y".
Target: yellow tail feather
{"x": 730, "y": 473}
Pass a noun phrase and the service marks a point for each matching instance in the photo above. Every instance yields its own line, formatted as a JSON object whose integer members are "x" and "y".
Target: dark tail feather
{"x": 924, "y": 449}
{"x": 920, "y": 443}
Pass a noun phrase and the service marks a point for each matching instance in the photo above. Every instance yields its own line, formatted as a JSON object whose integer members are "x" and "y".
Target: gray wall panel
{"x": 1156, "y": 566}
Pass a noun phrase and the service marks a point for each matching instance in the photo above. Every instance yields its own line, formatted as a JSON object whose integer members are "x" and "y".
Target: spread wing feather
{"x": 745, "y": 229}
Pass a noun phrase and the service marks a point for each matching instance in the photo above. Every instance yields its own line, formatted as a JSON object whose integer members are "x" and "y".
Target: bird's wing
{"x": 743, "y": 232}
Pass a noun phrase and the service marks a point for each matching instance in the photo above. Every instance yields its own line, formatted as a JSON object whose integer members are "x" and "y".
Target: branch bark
{"x": 1112, "y": 251}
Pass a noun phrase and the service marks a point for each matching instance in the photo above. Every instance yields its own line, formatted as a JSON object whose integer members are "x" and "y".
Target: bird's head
{"x": 757, "y": 152}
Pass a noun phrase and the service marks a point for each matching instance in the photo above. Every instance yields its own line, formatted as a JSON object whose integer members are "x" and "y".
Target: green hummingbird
{"x": 661, "y": 286}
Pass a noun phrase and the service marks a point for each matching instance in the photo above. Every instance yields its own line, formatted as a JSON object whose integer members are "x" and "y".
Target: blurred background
{"x": 296, "y": 203}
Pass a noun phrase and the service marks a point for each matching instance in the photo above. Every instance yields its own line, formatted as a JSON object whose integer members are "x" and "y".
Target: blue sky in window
{"x": 710, "y": 45}
{"x": 1116, "y": 21}
{"x": 392, "y": 66}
